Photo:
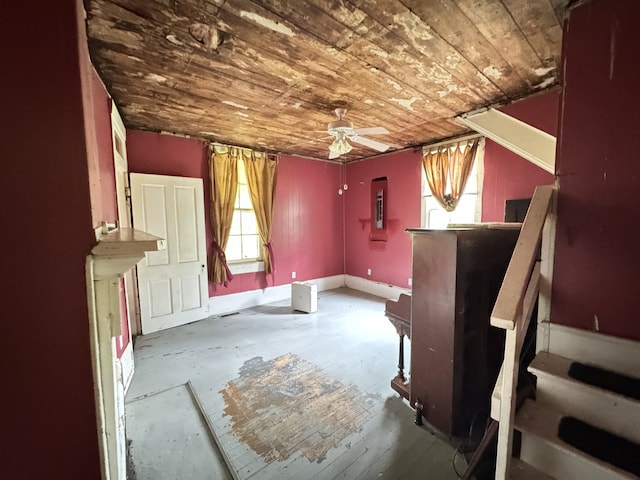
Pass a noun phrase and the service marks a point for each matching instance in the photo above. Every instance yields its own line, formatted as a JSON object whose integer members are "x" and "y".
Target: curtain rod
{"x": 452, "y": 140}
{"x": 416, "y": 148}
{"x": 270, "y": 155}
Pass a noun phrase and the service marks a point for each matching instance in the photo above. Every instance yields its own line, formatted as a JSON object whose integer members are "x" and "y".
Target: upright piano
{"x": 455, "y": 354}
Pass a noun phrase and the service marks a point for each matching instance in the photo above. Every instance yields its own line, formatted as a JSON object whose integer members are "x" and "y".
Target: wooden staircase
{"x": 562, "y": 401}
{"x": 585, "y": 420}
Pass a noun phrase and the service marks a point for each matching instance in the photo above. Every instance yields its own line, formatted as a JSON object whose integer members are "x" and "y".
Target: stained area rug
{"x": 287, "y": 405}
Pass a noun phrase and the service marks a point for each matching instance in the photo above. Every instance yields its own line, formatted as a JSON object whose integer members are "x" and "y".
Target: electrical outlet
{"x": 369, "y": 271}
{"x": 410, "y": 282}
{"x": 293, "y": 274}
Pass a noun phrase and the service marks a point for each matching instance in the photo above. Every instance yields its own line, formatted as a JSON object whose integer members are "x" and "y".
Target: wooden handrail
{"x": 512, "y": 312}
{"x": 528, "y": 304}
{"x": 508, "y": 305}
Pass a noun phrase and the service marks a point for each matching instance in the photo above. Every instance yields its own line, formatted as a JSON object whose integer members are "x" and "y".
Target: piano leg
{"x": 403, "y": 328}
{"x": 401, "y": 358}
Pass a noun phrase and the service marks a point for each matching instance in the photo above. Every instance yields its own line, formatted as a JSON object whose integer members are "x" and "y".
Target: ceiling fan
{"x": 342, "y": 130}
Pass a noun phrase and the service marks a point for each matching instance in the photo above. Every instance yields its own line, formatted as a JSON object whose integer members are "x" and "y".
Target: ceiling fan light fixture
{"x": 340, "y": 146}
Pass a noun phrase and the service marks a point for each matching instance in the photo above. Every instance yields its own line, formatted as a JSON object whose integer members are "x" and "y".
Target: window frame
{"x": 477, "y": 174}
{"x": 244, "y": 265}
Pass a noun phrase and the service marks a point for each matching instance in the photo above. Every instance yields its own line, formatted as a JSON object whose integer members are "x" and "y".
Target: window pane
{"x": 250, "y": 246}
{"x": 472, "y": 181}
{"x": 242, "y": 173}
{"x": 465, "y": 212}
{"x": 236, "y": 224}
{"x": 244, "y": 242}
{"x": 234, "y": 249}
{"x": 245, "y": 197}
{"x": 249, "y": 225}
{"x": 438, "y": 218}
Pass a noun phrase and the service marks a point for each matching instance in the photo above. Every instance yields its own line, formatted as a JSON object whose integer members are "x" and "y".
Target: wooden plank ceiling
{"x": 268, "y": 74}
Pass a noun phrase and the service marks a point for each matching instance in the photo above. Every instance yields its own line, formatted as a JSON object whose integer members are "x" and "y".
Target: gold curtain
{"x": 447, "y": 169}
{"x": 261, "y": 177}
{"x": 223, "y": 172}
{"x": 435, "y": 167}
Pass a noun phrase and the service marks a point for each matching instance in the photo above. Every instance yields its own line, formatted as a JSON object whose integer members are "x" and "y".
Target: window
{"x": 469, "y": 209}
{"x": 244, "y": 250}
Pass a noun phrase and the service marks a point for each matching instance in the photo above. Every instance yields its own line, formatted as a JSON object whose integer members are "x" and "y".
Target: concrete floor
{"x": 288, "y": 395}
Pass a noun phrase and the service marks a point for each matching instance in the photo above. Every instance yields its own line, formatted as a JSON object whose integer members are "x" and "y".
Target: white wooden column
{"x": 116, "y": 253}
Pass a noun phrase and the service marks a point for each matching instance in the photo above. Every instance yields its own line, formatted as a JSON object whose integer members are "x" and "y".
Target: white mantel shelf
{"x": 127, "y": 242}
{"x": 119, "y": 250}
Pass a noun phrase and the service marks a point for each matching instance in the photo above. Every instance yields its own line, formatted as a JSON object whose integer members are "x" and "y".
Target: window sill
{"x": 246, "y": 267}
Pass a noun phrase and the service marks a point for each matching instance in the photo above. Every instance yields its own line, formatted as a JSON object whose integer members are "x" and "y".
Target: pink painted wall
{"x": 50, "y": 413}
{"x": 390, "y": 261}
{"x": 308, "y": 228}
{"x": 595, "y": 282}
{"x": 508, "y": 175}
{"x": 307, "y": 234}
{"x": 157, "y": 154}
{"x": 100, "y": 151}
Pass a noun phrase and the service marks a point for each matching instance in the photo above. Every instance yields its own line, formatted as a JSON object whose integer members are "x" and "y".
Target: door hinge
{"x": 127, "y": 192}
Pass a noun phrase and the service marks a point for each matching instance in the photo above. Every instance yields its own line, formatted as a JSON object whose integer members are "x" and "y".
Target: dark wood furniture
{"x": 399, "y": 314}
{"x": 455, "y": 354}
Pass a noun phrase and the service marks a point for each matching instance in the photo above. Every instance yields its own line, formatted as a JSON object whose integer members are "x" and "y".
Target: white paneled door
{"x": 172, "y": 283}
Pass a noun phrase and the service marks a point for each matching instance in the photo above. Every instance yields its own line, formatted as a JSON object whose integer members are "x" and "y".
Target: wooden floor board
{"x": 391, "y": 463}
{"x": 347, "y": 349}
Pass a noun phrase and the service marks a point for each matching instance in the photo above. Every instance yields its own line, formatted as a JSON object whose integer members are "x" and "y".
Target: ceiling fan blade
{"x": 371, "y": 131}
{"x": 368, "y": 142}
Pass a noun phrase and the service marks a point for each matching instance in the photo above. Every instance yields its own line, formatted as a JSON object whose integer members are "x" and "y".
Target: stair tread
{"x": 615, "y": 354}
{"x": 523, "y": 471}
{"x": 550, "y": 364}
{"x": 543, "y": 422}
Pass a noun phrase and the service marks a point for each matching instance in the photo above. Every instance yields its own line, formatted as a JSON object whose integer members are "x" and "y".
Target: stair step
{"x": 612, "y": 353}
{"x": 606, "y": 379}
{"x": 542, "y": 449}
{"x": 601, "y": 444}
{"x": 601, "y": 408}
{"x": 523, "y": 471}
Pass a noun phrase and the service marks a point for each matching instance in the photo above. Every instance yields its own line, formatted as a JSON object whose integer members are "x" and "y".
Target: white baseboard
{"x": 237, "y": 301}
{"x": 613, "y": 353}
{"x": 384, "y": 290}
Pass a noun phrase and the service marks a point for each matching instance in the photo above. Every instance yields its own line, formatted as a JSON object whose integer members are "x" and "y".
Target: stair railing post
{"x": 507, "y": 404}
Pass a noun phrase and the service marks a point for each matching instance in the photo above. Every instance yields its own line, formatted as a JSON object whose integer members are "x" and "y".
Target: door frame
{"x": 123, "y": 200}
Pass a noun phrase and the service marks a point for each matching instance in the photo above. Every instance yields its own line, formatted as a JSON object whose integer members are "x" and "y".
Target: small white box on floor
{"x": 304, "y": 297}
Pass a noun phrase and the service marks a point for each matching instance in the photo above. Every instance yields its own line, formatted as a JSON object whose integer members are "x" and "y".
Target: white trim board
{"x": 384, "y": 290}
{"x": 126, "y": 361}
{"x": 612, "y": 353}
{"x": 529, "y": 142}
{"x": 233, "y": 302}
